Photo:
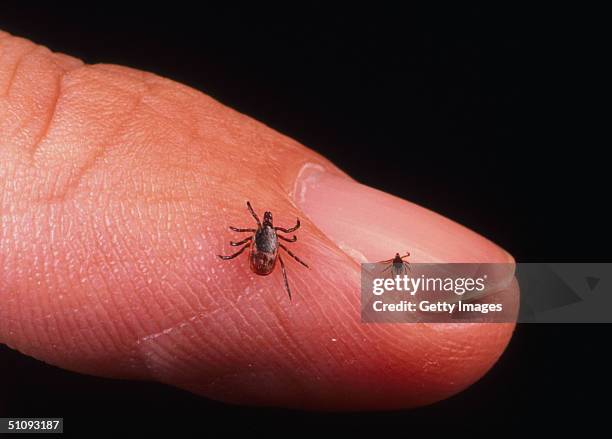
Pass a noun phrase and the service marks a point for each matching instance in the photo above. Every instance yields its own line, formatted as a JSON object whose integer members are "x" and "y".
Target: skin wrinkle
{"x": 28, "y": 55}
{"x": 106, "y": 264}
{"x": 156, "y": 363}
{"x": 459, "y": 354}
{"x": 162, "y": 275}
{"x": 326, "y": 316}
{"x": 55, "y": 249}
{"x": 17, "y": 66}
{"x": 269, "y": 340}
{"x": 5, "y": 177}
{"x": 15, "y": 305}
{"x": 196, "y": 331}
{"x": 211, "y": 331}
{"x": 83, "y": 306}
{"x": 327, "y": 324}
{"x": 163, "y": 197}
{"x": 176, "y": 326}
{"x": 64, "y": 62}
{"x": 166, "y": 350}
{"x": 213, "y": 356}
{"x": 150, "y": 341}
{"x": 156, "y": 83}
{"x": 111, "y": 332}
{"x": 94, "y": 157}
{"x": 372, "y": 350}
{"x": 145, "y": 269}
{"x": 110, "y": 269}
{"x": 51, "y": 282}
{"x": 47, "y": 125}
{"x": 147, "y": 84}
{"x": 276, "y": 338}
{"x": 217, "y": 330}
{"x": 35, "y": 340}
{"x": 4, "y": 327}
{"x": 454, "y": 350}
{"x": 56, "y": 312}
{"x": 168, "y": 332}
{"x": 29, "y": 338}
{"x": 241, "y": 318}
{"x": 215, "y": 368}
{"x": 6, "y": 322}
{"x": 179, "y": 280}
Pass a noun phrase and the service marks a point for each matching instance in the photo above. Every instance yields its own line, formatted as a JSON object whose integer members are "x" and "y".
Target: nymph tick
{"x": 397, "y": 264}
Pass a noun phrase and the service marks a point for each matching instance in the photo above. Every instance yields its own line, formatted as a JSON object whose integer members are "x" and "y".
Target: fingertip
{"x": 373, "y": 224}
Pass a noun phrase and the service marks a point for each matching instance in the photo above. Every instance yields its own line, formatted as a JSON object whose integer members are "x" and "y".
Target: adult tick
{"x": 264, "y": 244}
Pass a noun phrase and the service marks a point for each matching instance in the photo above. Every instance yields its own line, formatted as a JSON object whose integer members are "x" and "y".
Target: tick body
{"x": 263, "y": 245}
{"x": 397, "y": 264}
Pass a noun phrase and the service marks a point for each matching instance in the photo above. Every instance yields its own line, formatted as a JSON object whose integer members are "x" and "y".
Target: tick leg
{"x": 225, "y": 258}
{"x": 292, "y": 229}
{"x": 287, "y": 239}
{"x": 236, "y": 244}
{"x": 293, "y": 256}
{"x": 385, "y": 262}
{"x": 387, "y": 268}
{"x": 285, "y": 276}
{"x": 254, "y": 214}
{"x": 235, "y": 229}
{"x": 407, "y": 265}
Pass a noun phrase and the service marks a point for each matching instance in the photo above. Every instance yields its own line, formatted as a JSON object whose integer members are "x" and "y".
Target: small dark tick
{"x": 397, "y": 264}
{"x": 264, "y": 244}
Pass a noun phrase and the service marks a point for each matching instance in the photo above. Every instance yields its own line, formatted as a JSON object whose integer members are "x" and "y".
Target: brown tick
{"x": 397, "y": 264}
{"x": 264, "y": 244}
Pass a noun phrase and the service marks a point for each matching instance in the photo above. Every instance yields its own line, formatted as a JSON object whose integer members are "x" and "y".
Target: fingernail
{"x": 370, "y": 225}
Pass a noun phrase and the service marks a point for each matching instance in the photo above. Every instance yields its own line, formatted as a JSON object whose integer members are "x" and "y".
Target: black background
{"x": 485, "y": 116}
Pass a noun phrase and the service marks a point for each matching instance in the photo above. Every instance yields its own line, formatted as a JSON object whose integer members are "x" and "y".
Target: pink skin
{"x": 117, "y": 188}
